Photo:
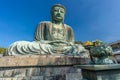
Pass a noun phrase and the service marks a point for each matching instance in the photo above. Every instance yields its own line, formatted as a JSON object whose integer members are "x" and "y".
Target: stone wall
{"x": 41, "y": 73}
{"x": 47, "y": 67}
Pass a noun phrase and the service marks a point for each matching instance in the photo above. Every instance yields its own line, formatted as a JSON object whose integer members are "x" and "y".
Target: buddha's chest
{"x": 58, "y": 33}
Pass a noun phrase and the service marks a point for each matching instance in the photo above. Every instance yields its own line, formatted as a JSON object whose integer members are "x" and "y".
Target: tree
{"x": 2, "y": 50}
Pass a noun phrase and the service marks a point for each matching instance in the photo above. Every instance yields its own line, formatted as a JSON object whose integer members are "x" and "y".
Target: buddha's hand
{"x": 51, "y": 42}
{"x": 59, "y": 42}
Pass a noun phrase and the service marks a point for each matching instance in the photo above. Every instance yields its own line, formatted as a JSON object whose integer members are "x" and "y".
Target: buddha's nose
{"x": 59, "y": 11}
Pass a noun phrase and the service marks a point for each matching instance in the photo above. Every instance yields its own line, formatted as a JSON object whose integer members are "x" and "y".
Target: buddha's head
{"x": 57, "y": 13}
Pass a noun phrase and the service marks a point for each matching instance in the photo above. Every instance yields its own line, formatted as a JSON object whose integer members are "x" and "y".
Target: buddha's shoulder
{"x": 49, "y": 23}
{"x": 45, "y": 22}
{"x": 69, "y": 27}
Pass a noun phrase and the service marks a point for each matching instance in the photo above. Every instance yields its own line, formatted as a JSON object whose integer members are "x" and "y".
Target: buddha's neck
{"x": 57, "y": 22}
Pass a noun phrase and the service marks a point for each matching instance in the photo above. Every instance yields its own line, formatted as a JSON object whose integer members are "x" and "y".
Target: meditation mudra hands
{"x": 58, "y": 42}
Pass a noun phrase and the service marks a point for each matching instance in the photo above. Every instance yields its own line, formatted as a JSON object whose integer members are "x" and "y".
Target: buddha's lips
{"x": 59, "y": 17}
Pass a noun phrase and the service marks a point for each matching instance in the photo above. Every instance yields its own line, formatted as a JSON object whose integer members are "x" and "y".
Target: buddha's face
{"x": 58, "y": 14}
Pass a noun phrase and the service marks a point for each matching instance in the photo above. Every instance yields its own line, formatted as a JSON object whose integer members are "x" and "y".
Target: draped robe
{"x": 44, "y": 32}
{"x": 45, "y": 43}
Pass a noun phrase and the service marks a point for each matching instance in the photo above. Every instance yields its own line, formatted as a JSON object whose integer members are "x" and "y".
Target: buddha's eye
{"x": 55, "y": 11}
{"x": 62, "y": 11}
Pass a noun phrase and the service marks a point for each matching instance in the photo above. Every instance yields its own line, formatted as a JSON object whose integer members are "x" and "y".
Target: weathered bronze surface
{"x": 51, "y": 37}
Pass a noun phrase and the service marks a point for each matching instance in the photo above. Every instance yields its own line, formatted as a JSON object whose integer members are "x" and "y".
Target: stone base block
{"x": 42, "y": 60}
{"x": 100, "y": 72}
{"x": 47, "y": 67}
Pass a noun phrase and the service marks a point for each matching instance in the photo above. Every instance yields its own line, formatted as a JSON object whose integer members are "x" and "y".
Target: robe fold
{"x": 44, "y": 32}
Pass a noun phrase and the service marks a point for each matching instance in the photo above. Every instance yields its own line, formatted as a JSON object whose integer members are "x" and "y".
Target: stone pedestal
{"x": 100, "y": 72}
{"x": 46, "y": 67}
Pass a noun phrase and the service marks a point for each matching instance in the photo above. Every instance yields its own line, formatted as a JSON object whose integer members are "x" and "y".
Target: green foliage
{"x": 2, "y": 50}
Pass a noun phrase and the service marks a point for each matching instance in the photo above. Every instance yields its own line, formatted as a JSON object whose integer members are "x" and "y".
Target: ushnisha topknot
{"x": 59, "y": 5}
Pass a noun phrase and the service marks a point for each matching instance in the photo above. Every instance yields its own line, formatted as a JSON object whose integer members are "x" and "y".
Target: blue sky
{"x": 90, "y": 19}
